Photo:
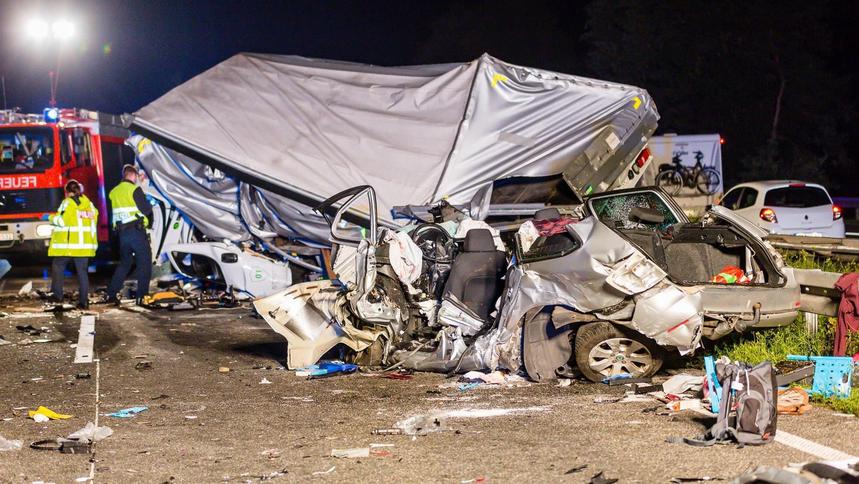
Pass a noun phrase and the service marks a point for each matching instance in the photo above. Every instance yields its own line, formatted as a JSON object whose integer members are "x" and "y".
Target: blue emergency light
{"x": 52, "y": 115}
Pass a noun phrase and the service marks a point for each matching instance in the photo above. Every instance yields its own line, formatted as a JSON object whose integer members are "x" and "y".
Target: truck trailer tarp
{"x": 298, "y": 130}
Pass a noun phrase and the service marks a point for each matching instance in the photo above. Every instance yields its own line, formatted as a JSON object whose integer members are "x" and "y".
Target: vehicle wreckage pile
{"x": 444, "y": 296}
{"x": 519, "y": 250}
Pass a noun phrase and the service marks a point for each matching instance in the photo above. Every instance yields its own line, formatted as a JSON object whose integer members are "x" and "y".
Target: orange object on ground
{"x": 793, "y": 401}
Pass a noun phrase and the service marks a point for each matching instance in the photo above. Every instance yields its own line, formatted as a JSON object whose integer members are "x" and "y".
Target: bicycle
{"x": 674, "y": 176}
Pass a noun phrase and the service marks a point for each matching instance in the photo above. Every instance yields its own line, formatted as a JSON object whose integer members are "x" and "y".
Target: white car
{"x": 787, "y": 207}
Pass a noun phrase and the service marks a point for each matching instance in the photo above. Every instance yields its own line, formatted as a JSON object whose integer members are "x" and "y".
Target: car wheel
{"x": 603, "y": 350}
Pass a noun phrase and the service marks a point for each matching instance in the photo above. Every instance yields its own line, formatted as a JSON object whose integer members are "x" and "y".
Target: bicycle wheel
{"x": 670, "y": 181}
{"x": 707, "y": 181}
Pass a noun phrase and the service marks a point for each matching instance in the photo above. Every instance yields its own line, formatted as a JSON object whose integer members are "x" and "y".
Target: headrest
{"x": 479, "y": 240}
{"x": 550, "y": 213}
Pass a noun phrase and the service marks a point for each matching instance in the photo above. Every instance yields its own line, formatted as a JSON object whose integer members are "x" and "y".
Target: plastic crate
{"x": 833, "y": 375}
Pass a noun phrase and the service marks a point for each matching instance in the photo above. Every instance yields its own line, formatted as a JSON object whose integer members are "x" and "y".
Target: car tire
{"x": 603, "y": 349}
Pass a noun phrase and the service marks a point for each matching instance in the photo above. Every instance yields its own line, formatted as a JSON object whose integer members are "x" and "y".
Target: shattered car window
{"x": 617, "y": 211}
{"x": 557, "y": 245}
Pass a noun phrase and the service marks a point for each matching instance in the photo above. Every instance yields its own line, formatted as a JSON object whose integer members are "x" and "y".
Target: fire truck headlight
{"x": 44, "y": 230}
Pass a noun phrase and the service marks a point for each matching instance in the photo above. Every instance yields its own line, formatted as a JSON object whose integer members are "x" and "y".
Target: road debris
{"x": 8, "y": 445}
{"x": 91, "y": 433}
{"x": 683, "y": 383}
{"x": 325, "y": 369}
{"x": 4, "y": 341}
{"x": 223, "y": 369}
{"x": 43, "y": 414}
{"x": 576, "y": 469}
{"x": 143, "y": 365}
{"x": 83, "y": 376}
{"x": 264, "y": 381}
{"x": 128, "y": 412}
{"x": 793, "y": 401}
{"x": 600, "y": 478}
{"x": 322, "y": 473}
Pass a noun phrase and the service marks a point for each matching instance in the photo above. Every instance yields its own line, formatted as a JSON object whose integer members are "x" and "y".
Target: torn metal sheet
{"x": 250, "y": 273}
{"x": 670, "y": 315}
{"x": 312, "y": 318}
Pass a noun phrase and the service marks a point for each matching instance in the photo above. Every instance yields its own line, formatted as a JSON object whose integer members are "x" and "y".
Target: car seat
{"x": 475, "y": 278}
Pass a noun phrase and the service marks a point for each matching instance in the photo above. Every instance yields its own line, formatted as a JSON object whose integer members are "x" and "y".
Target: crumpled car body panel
{"x": 312, "y": 318}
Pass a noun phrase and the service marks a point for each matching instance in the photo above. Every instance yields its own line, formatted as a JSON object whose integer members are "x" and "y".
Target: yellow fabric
{"x": 123, "y": 207}
{"x": 47, "y": 412}
{"x": 75, "y": 229}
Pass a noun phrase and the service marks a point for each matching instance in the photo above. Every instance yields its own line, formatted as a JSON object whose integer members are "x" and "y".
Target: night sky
{"x": 712, "y": 67}
{"x": 128, "y": 53}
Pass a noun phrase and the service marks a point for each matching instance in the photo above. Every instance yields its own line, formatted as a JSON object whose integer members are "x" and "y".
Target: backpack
{"x": 748, "y": 410}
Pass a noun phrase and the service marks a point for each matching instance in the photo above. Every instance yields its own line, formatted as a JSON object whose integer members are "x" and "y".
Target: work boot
{"x": 112, "y": 300}
{"x": 83, "y": 306}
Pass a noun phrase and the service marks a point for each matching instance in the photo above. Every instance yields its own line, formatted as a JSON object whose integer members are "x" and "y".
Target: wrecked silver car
{"x": 608, "y": 289}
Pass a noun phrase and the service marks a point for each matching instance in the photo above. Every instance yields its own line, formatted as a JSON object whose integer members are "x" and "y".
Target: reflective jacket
{"x": 75, "y": 229}
{"x": 123, "y": 207}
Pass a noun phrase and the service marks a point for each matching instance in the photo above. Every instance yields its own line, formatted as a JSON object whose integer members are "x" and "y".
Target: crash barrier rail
{"x": 818, "y": 294}
{"x": 839, "y": 249}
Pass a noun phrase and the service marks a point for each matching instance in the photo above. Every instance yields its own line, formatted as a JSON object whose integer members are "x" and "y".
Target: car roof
{"x": 768, "y": 184}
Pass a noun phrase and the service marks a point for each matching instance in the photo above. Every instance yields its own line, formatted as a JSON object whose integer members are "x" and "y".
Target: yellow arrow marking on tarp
{"x": 498, "y": 78}
{"x": 636, "y": 102}
{"x": 142, "y": 145}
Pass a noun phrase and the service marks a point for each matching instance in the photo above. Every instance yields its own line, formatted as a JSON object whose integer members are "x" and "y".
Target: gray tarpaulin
{"x": 307, "y": 129}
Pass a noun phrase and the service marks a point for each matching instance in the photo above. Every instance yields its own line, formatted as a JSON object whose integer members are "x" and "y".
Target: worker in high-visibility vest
{"x": 131, "y": 213}
{"x": 74, "y": 239}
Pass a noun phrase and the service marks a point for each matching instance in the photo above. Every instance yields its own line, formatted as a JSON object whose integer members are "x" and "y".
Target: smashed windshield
{"x": 26, "y": 150}
{"x": 641, "y": 210}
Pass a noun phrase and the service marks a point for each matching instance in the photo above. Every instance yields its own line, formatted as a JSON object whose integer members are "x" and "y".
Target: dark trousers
{"x": 133, "y": 248}
{"x": 58, "y": 267}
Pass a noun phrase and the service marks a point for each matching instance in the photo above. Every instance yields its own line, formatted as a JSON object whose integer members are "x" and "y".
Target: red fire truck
{"x": 38, "y": 155}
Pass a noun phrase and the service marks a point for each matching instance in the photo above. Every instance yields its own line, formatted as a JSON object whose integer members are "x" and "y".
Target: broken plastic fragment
{"x": 7, "y": 445}
{"x": 91, "y": 433}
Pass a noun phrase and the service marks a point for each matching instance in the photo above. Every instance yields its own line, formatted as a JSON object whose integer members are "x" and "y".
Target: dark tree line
{"x": 777, "y": 79}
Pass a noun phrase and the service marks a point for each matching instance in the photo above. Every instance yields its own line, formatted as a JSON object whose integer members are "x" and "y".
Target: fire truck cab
{"x": 38, "y": 155}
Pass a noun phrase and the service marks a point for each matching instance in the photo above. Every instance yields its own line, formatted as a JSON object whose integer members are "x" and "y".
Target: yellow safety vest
{"x": 123, "y": 207}
{"x": 75, "y": 229}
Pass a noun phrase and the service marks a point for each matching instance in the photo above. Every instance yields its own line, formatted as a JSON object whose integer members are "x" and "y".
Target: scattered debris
{"x": 29, "y": 329}
{"x": 7, "y": 445}
{"x": 143, "y": 365}
{"x": 91, "y": 433}
{"x": 264, "y": 381}
{"x": 564, "y": 382}
{"x": 223, "y": 369}
{"x": 128, "y": 412}
{"x": 43, "y": 414}
{"x": 421, "y": 424}
{"x": 82, "y": 376}
{"x": 190, "y": 417}
{"x": 683, "y": 383}
{"x": 600, "y": 478}
{"x": 607, "y": 399}
{"x": 680, "y": 480}
{"x": 65, "y": 446}
{"x": 684, "y": 404}
{"x": 322, "y": 473}
{"x": 271, "y": 453}
{"x": 387, "y": 432}
{"x": 793, "y": 401}
{"x": 26, "y": 290}
{"x": 355, "y": 453}
{"x": 326, "y": 368}
{"x": 4, "y": 341}
{"x": 576, "y": 469}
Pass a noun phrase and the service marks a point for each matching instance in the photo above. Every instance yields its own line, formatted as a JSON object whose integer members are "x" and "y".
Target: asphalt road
{"x": 206, "y": 426}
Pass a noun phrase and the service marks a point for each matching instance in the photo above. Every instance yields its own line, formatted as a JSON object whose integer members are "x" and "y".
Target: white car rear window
{"x": 797, "y": 197}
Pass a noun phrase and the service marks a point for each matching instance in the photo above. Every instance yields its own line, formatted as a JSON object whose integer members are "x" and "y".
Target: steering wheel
{"x": 435, "y": 243}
